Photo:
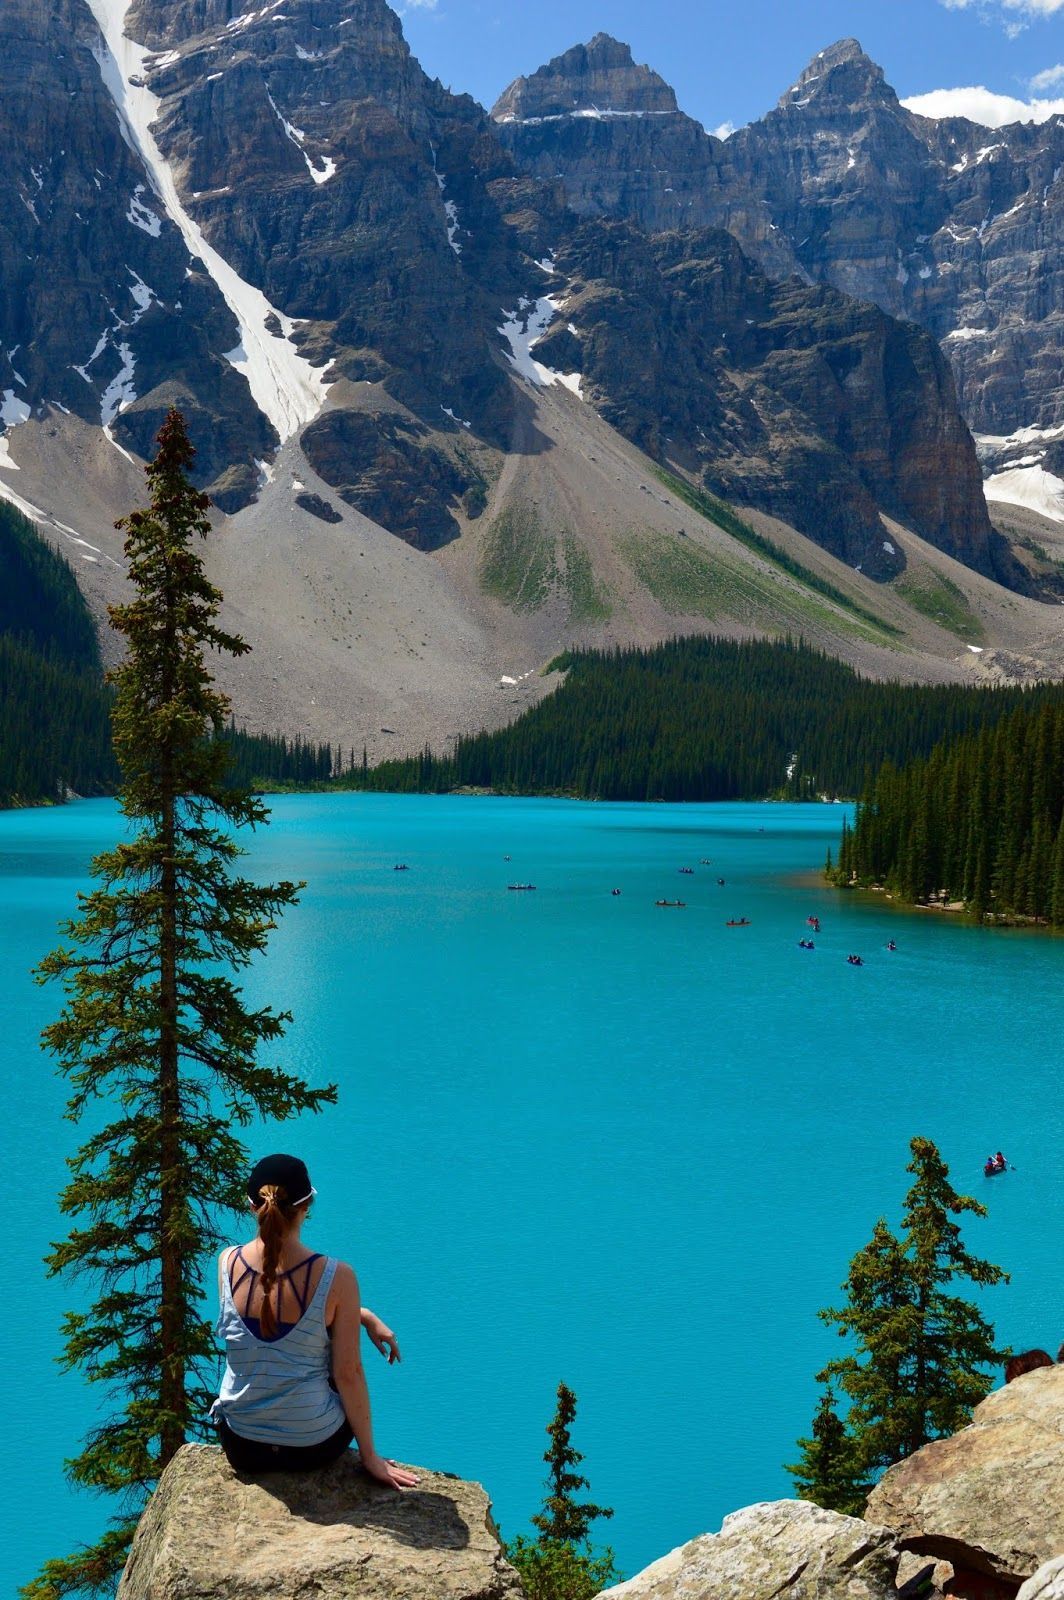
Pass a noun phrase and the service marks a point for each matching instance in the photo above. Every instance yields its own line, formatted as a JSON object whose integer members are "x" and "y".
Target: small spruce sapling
{"x": 829, "y": 1472}
{"x": 561, "y": 1564}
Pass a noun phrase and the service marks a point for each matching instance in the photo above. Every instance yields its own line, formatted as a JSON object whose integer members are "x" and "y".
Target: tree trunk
{"x": 173, "y": 1310}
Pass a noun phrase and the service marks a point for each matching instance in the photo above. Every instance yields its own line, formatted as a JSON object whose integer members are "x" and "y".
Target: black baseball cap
{"x": 288, "y": 1173}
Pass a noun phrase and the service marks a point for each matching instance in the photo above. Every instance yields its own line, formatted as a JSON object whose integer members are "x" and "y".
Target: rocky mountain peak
{"x": 841, "y": 75}
{"x": 599, "y": 78}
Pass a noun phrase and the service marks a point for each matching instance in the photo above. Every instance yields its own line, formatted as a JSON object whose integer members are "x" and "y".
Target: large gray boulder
{"x": 209, "y": 1534}
{"x": 991, "y": 1498}
{"x": 1047, "y": 1583}
{"x": 779, "y": 1550}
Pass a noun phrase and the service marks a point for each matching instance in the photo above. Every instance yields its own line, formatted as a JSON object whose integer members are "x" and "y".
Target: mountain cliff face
{"x": 612, "y": 130}
{"x": 321, "y": 162}
{"x": 318, "y": 215}
{"x": 798, "y": 400}
{"x": 944, "y": 223}
{"x": 101, "y": 301}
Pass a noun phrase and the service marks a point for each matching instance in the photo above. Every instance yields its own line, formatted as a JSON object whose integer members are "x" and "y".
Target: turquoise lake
{"x": 578, "y": 1137}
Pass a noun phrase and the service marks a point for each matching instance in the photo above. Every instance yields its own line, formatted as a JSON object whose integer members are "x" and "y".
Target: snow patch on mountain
{"x": 522, "y": 330}
{"x": 13, "y": 412}
{"x": 141, "y": 215}
{"x": 595, "y": 113}
{"x": 320, "y": 174}
{"x": 120, "y": 392}
{"x": 87, "y": 551}
{"x": 449, "y": 207}
{"x": 1006, "y": 441}
{"x": 1029, "y": 486}
{"x": 284, "y": 385}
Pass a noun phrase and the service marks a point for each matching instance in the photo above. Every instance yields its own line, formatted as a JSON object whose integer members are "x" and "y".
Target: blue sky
{"x": 730, "y": 62}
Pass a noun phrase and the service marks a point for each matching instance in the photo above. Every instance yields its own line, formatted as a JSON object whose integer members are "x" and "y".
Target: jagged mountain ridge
{"x": 337, "y": 254}
{"x": 944, "y": 223}
{"x": 304, "y": 145}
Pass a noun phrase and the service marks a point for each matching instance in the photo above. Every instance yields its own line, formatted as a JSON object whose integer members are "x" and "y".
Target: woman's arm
{"x": 381, "y": 1335}
{"x": 350, "y": 1378}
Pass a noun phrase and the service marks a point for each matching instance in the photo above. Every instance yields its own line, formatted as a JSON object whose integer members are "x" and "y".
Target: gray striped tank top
{"x": 277, "y": 1391}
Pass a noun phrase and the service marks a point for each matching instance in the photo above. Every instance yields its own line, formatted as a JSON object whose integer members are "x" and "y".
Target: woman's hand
{"x": 387, "y": 1472}
{"x": 381, "y": 1335}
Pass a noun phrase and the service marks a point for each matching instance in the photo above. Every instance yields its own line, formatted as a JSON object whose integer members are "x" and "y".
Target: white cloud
{"x": 430, "y": 5}
{"x": 1051, "y": 78}
{"x": 1015, "y": 15}
{"x": 983, "y": 106}
{"x": 725, "y": 130}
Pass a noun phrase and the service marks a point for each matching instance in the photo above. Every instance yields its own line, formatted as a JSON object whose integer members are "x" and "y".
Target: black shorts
{"x": 251, "y": 1456}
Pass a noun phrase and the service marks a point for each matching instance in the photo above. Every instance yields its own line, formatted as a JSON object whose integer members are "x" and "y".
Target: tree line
{"x": 980, "y": 820}
{"x": 704, "y": 719}
{"x": 55, "y": 708}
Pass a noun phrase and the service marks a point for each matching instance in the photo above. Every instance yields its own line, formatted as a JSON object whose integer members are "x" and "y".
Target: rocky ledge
{"x": 209, "y": 1534}
{"x": 979, "y": 1516}
{"x": 990, "y": 1499}
{"x": 784, "y": 1548}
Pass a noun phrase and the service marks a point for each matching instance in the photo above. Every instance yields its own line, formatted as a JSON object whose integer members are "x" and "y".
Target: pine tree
{"x": 563, "y": 1517}
{"x": 953, "y": 1343}
{"x": 560, "y": 1564}
{"x": 155, "y": 1038}
{"x": 829, "y": 1471}
{"x": 921, "y": 1353}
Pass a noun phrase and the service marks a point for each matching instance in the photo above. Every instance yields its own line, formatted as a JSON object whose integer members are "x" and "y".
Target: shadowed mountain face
{"x": 101, "y": 300}
{"x": 945, "y": 223}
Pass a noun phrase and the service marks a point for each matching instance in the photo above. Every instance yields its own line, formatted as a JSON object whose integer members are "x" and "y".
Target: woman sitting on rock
{"x": 294, "y": 1393}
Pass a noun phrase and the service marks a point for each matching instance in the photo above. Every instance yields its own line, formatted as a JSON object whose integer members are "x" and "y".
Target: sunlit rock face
{"x": 208, "y": 1534}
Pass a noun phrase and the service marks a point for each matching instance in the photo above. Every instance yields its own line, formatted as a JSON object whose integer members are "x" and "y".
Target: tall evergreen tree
{"x": 922, "y": 1354}
{"x": 953, "y": 1343}
{"x": 155, "y": 1037}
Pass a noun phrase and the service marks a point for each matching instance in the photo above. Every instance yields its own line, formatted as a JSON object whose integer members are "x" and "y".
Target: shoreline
{"x": 877, "y": 894}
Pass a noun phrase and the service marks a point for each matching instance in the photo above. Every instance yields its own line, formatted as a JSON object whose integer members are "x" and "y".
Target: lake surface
{"x": 578, "y": 1137}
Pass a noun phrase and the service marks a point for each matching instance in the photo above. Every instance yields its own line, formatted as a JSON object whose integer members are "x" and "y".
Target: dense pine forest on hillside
{"x": 55, "y": 711}
{"x": 55, "y": 731}
{"x": 981, "y": 820}
{"x": 706, "y": 719}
